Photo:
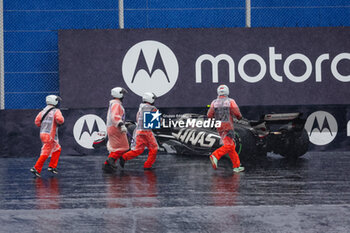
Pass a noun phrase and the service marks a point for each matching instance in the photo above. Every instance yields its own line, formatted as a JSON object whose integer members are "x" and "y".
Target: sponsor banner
{"x": 328, "y": 127}
{"x": 19, "y": 137}
{"x": 86, "y": 129}
{"x": 322, "y": 128}
{"x": 261, "y": 66}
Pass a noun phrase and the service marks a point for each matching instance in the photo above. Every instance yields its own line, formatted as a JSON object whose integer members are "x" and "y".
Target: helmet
{"x": 223, "y": 90}
{"x": 52, "y": 100}
{"x": 118, "y": 92}
{"x": 149, "y": 97}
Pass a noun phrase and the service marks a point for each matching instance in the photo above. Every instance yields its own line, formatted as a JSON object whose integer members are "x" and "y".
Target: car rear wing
{"x": 281, "y": 116}
{"x": 293, "y": 120}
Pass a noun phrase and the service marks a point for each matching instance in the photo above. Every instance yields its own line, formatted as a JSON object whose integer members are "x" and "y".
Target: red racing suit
{"x": 144, "y": 138}
{"x": 117, "y": 143}
{"x": 49, "y": 136}
{"x": 224, "y": 109}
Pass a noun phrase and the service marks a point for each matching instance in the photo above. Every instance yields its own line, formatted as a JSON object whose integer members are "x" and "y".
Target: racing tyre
{"x": 297, "y": 147}
{"x": 245, "y": 144}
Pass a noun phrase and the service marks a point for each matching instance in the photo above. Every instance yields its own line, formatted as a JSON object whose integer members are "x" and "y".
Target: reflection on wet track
{"x": 183, "y": 194}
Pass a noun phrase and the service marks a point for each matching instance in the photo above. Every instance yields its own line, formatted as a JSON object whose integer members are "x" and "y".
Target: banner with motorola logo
{"x": 183, "y": 67}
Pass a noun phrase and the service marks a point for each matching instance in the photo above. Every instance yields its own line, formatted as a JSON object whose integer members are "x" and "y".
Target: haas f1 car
{"x": 282, "y": 134}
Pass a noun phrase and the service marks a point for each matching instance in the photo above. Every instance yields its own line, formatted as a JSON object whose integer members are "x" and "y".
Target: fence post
{"x": 121, "y": 14}
{"x": 247, "y": 13}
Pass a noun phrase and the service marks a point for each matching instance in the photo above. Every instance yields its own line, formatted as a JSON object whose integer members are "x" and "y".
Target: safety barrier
{"x": 327, "y": 127}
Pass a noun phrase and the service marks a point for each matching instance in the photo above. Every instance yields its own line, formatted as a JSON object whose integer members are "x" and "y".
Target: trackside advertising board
{"x": 328, "y": 128}
{"x": 261, "y": 66}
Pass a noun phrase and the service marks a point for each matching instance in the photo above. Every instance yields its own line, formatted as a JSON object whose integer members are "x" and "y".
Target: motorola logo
{"x": 86, "y": 130}
{"x": 321, "y": 127}
{"x": 150, "y": 66}
{"x": 268, "y": 66}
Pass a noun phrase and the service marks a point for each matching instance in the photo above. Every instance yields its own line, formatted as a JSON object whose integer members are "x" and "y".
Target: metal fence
{"x": 30, "y": 29}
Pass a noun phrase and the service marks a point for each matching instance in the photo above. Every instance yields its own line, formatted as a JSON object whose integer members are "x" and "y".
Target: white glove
{"x": 123, "y": 129}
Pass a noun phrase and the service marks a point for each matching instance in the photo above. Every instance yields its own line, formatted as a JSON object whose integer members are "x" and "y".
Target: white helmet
{"x": 118, "y": 92}
{"x": 52, "y": 100}
{"x": 223, "y": 90}
{"x": 149, "y": 97}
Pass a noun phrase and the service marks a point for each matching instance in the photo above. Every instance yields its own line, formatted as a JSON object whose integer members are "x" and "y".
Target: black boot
{"x": 107, "y": 168}
{"x": 53, "y": 170}
{"x": 111, "y": 162}
{"x": 122, "y": 162}
{"x": 35, "y": 172}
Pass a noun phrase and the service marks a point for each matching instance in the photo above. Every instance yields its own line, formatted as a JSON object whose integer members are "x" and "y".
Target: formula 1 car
{"x": 282, "y": 134}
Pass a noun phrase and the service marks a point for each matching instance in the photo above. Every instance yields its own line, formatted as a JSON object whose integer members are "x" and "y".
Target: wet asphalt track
{"x": 183, "y": 194}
